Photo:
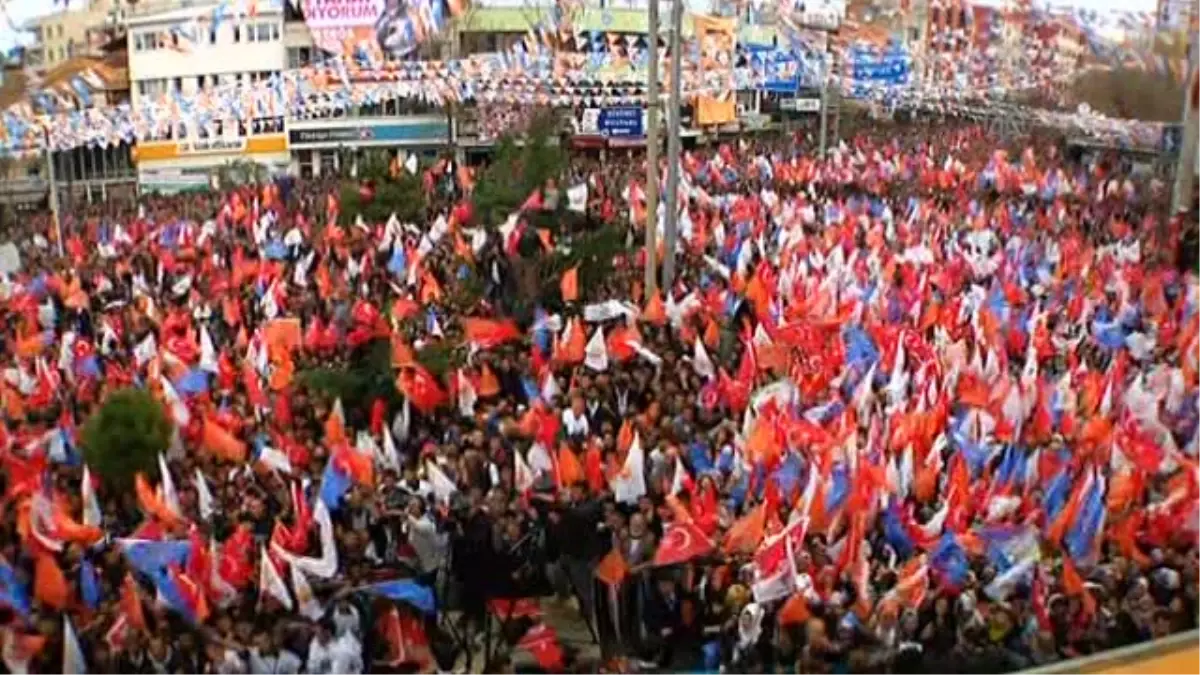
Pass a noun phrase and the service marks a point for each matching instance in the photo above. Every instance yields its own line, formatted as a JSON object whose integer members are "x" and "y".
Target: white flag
{"x": 325, "y": 566}
{"x": 203, "y": 496}
{"x": 309, "y": 606}
{"x": 270, "y": 583}
{"x": 73, "y": 661}
{"x": 595, "y": 354}
{"x": 92, "y": 515}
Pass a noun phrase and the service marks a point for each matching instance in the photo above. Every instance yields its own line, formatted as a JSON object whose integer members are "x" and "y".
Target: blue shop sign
{"x": 621, "y": 122}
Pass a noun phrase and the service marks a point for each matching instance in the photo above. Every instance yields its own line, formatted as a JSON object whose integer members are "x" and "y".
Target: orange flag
{"x": 69, "y": 529}
{"x": 625, "y": 437}
{"x": 489, "y": 385}
{"x": 746, "y": 534}
{"x": 131, "y": 603}
{"x": 49, "y": 583}
{"x": 570, "y": 285}
{"x": 282, "y": 335}
{"x": 31, "y": 346}
{"x": 488, "y": 333}
{"x": 149, "y": 502}
{"x": 574, "y": 350}
{"x": 570, "y": 471}
{"x": 612, "y": 569}
{"x": 217, "y": 440}
{"x": 335, "y": 428}
{"x": 794, "y": 611}
{"x": 402, "y": 354}
{"x": 1073, "y": 586}
{"x": 655, "y": 311}
{"x": 712, "y": 334}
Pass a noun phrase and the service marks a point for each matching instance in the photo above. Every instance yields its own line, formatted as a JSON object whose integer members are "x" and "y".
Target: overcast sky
{"x": 23, "y": 10}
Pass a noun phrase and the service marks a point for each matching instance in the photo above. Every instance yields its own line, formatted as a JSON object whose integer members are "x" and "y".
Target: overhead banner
{"x": 376, "y": 30}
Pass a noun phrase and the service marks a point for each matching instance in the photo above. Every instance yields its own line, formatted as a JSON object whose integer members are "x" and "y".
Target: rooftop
{"x": 109, "y": 69}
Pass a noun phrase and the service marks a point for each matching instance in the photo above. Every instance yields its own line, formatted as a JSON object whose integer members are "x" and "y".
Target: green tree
{"x": 402, "y": 194}
{"x": 367, "y": 376}
{"x": 124, "y": 437}
{"x": 519, "y": 166}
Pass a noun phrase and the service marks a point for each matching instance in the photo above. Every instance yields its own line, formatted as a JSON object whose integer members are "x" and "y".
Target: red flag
{"x": 422, "y": 389}
{"x": 542, "y": 642}
{"x": 681, "y": 543}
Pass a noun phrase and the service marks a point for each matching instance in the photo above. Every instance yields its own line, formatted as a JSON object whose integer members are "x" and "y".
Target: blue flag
{"x": 406, "y": 591}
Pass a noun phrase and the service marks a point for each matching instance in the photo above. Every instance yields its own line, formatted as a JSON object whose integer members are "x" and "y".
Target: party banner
{"x": 716, "y": 40}
{"x": 716, "y": 37}
{"x": 376, "y": 30}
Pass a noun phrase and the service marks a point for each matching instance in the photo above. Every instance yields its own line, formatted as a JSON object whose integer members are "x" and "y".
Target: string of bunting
{"x": 531, "y": 74}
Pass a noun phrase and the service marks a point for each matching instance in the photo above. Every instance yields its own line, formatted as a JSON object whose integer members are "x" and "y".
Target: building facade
{"x": 333, "y": 140}
{"x": 176, "y": 49}
{"x": 74, "y": 32}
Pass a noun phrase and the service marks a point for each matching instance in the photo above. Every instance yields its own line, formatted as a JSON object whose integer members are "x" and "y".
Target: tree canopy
{"x": 398, "y": 192}
{"x": 124, "y": 437}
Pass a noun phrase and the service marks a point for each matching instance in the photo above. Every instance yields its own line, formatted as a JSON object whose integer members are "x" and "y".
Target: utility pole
{"x": 1181, "y": 196}
{"x": 674, "y": 104}
{"x": 52, "y": 180}
{"x": 652, "y": 111}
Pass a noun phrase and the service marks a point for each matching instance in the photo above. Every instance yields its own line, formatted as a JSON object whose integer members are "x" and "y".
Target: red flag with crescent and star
{"x": 681, "y": 543}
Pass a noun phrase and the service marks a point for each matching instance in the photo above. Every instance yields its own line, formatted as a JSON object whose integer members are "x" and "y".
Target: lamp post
{"x": 674, "y": 105}
{"x": 52, "y": 179}
{"x": 1185, "y": 168}
{"x": 652, "y": 110}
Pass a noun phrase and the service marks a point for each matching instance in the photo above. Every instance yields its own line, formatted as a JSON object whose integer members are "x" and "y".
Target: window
{"x": 149, "y": 40}
{"x": 177, "y": 84}
{"x": 264, "y": 32}
{"x": 276, "y": 32}
{"x": 151, "y": 88}
{"x": 298, "y": 57}
{"x": 237, "y": 33}
{"x": 60, "y": 30}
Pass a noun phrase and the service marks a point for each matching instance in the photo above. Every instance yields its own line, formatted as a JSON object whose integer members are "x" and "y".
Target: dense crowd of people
{"x": 922, "y": 405}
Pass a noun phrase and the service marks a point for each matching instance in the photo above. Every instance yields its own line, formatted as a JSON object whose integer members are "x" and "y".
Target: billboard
{"x": 378, "y": 30}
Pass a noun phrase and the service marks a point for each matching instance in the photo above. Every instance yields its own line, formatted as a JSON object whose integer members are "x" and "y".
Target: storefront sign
{"x": 622, "y": 122}
{"x": 417, "y": 133}
{"x": 207, "y": 145}
{"x": 153, "y": 151}
{"x": 344, "y": 135}
{"x": 800, "y": 105}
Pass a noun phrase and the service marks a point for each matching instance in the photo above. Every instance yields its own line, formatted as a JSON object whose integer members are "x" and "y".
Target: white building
{"x": 185, "y": 47}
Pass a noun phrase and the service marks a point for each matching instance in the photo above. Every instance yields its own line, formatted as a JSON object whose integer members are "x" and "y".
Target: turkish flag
{"x": 422, "y": 389}
{"x": 681, "y": 543}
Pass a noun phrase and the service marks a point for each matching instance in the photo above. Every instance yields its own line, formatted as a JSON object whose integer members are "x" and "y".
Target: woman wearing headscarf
{"x": 750, "y": 643}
